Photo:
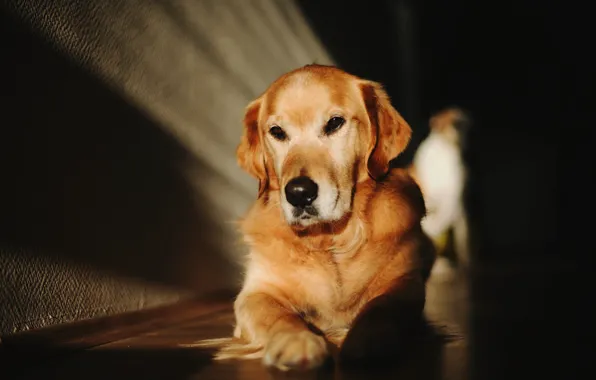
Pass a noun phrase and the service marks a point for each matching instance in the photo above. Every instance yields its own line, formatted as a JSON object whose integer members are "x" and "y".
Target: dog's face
{"x": 314, "y": 134}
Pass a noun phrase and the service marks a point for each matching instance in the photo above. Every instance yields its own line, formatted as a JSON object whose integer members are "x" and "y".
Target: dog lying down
{"x": 338, "y": 260}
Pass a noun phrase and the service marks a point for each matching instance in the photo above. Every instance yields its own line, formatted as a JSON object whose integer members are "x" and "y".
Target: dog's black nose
{"x": 301, "y": 191}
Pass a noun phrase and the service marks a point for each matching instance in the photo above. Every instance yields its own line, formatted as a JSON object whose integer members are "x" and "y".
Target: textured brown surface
{"x": 40, "y": 290}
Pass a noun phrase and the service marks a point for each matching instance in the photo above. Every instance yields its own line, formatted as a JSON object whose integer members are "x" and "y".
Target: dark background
{"x": 522, "y": 69}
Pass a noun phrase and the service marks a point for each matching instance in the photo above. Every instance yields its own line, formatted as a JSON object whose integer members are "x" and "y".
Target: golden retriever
{"x": 337, "y": 254}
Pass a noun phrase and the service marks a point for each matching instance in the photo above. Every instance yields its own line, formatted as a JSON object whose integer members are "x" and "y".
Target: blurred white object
{"x": 439, "y": 168}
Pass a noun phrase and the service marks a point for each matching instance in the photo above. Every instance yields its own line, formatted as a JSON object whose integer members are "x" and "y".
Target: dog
{"x": 337, "y": 255}
{"x": 441, "y": 173}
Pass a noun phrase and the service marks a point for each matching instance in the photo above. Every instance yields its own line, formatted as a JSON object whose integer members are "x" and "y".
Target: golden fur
{"x": 308, "y": 284}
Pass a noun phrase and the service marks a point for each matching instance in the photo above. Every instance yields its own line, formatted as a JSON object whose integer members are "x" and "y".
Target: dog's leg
{"x": 288, "y": 342}
{"x": 386, "y": 324}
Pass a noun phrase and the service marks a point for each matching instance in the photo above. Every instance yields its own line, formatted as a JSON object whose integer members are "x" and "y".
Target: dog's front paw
{"x": 290, "y": 350}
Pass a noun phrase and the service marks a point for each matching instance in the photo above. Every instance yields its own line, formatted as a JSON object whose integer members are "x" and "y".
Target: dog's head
{"x": 313, "y": 135}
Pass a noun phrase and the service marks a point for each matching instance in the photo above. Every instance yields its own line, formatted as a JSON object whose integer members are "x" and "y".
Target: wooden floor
{"x": 157, "y": 354}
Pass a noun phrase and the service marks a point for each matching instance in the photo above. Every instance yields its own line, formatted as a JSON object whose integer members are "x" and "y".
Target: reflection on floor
{"x": 156, "y": 355}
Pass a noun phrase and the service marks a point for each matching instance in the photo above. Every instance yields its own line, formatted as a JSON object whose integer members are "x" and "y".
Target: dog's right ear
{"x": 250, "y": 152}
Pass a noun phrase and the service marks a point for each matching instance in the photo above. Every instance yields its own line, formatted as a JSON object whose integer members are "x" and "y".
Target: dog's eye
{"x": 333, "y": 124}
{"x": 278, "y": 133}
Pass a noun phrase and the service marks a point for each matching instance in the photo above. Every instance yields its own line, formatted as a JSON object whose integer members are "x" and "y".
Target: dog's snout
{"x": 301, "y": 191}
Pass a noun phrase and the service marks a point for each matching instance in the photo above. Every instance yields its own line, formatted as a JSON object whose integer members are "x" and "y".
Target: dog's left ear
{"x": 389, "y": 132}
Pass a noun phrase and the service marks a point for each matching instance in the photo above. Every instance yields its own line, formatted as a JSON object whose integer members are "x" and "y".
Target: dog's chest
{"x": 316, "y": 284}
{"x": 324, "y": 293}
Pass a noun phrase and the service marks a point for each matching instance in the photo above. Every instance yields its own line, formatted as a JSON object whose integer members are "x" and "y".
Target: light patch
{"x": 441, "y": 174}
